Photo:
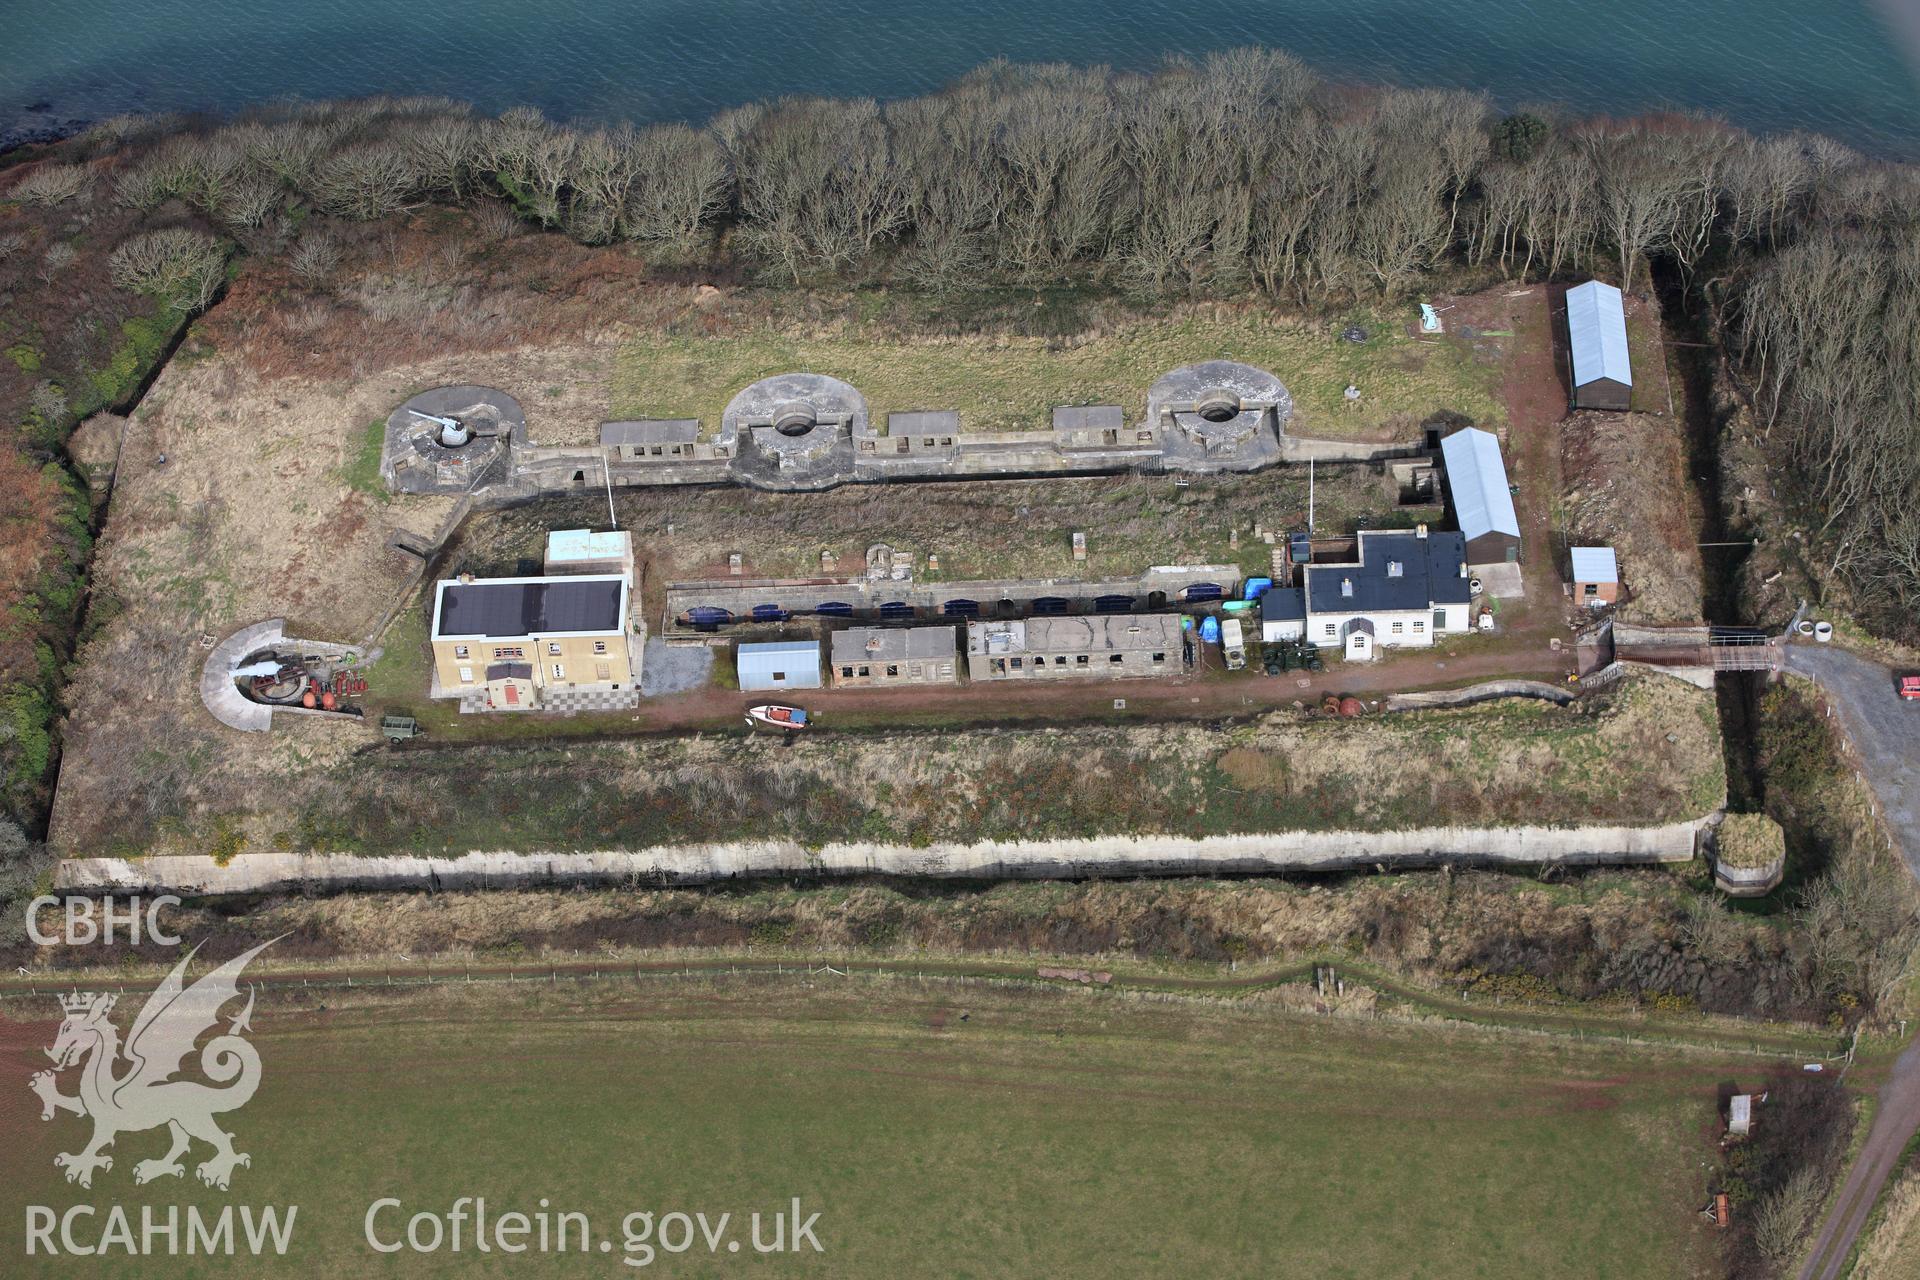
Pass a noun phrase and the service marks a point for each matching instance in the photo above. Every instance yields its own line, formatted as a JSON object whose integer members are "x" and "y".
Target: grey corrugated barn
{"x": 783, "y": 664}
{"x": 1597, "y": 343}
{"x": 1482, "y": 501}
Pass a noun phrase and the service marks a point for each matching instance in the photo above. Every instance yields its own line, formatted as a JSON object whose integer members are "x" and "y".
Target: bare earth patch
{"x": 1626, "y": 487}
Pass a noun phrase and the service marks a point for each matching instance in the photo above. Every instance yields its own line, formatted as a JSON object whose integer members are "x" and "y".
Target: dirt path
{"x": 1212, "y": 694}
{"x": 1783, "y": 1040}
{"x": 1884, "y": 732}
{"x": 1894, "y": 1123}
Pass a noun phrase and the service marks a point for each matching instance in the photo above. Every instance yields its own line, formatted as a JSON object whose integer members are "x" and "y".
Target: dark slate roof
{"x": 505, "y": 608}
{"x": 510, "y": 671}
{"x": 1282, "y": 604}
{"x": 1429, "y": 574}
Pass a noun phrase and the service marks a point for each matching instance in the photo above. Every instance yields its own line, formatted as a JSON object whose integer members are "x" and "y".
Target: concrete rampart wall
{"x": 1479, "y": 693}
{"x": 1024, "y": 859}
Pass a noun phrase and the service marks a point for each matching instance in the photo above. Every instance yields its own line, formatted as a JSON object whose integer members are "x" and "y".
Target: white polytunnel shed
{"x": 1482, "y": 501}
{"x": 1597, "y": 346}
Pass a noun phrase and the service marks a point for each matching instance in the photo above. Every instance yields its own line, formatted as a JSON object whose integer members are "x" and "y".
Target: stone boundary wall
{"x": 199, "y": 876}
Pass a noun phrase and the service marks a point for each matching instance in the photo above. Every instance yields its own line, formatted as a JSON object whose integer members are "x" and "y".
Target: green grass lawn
{"x": 1004, "y": 383}
{"x": 1058, "y": 1133}
{"x": 1651, "y": 392}
{"x": 361, "y": 471}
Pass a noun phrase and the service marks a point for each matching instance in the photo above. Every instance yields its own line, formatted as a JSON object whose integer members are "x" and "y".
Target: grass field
{"x": 938, "y": 1129}
{"x": 1007, "y": 383}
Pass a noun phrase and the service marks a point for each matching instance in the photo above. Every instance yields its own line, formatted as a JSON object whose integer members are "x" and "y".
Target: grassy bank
{"x": 1000, "y": 382}
{"x": 1647, "y": 753}
{"x": 1006, "y": 529}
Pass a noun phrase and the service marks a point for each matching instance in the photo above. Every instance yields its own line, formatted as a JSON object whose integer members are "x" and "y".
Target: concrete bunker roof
{"x": 893, "y": 644}
{"x": 924, "y": 422}
{"x": 1091, "y": 633}
{"x": 650, "y": 431}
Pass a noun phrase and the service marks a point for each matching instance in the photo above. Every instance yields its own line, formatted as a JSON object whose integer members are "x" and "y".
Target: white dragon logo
{"x": 145, "y": 1096}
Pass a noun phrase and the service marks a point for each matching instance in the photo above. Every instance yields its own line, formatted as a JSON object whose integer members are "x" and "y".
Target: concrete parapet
{"x": 1287, "y": 851}
{"x": 1479, "y": 693}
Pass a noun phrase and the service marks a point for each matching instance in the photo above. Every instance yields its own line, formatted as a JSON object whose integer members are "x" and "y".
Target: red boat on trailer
{"x": 772, "y": 717}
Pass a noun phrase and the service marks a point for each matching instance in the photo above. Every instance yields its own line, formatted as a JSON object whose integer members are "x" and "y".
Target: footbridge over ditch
{"x": 1696, "y": 653}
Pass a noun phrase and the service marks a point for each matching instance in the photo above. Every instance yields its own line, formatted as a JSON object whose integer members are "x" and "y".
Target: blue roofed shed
{"x": 782, "y": 664}
{"x": 1482, "y": 500}
{"x": 1597, "y": 347}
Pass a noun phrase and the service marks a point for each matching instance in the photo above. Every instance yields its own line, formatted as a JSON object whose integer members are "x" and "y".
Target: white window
{"x": 1418, "y": 627}
{"x": 1333, "y": 629}
{"x": 599, "y": 646}
{"x": 1398, "y": 627}
{"x": 553, "y": 648}
{"x": 559, "y": 672}
{"x": 459, "y": 651}
{"x": 466, "y": 675}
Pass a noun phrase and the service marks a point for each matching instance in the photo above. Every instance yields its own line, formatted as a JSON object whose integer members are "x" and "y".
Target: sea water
{"x": 1842, "y": 67}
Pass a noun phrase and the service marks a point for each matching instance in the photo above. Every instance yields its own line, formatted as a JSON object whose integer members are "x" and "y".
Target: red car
{"x": 1910, "y": 688}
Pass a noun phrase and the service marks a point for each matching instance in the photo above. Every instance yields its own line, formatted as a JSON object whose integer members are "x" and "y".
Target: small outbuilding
{"x": 1283, "y": 614}
{"x": 1597, "y": 347}
{"x": 864, "y": 657}
{"x": 780, "y": 664}
{"x": 1596, "y": 577}
{"x": 1482, "y": 499}
{"x": 1740, "y": 1115}
{"x": 574, "y": 551}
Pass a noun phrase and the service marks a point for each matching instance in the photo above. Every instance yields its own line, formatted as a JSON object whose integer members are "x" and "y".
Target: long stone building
{"x": 881, "y": 657}
{"x": 1101, "y": 647}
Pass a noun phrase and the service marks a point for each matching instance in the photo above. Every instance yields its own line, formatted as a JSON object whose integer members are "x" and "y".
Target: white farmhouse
{"x": 1403, "y": 588}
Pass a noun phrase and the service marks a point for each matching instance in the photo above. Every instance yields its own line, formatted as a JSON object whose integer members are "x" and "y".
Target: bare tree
{"x": 315, "y": 258}
{"x": 51, "y": 184}
{"x": 181, "y": 267}
{"x": 366, "y": 180}
{"x": 1641, "y": 190}
{"x": 684, "y": 184}
{"x": 444, "y": 150}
